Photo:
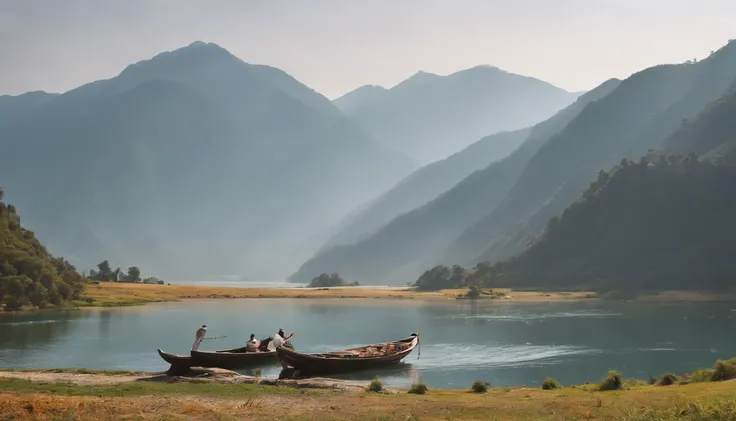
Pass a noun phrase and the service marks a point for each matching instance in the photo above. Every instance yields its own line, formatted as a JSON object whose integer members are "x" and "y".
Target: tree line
{"x": 104, "y": 273}
{"x": 663, "y": 222}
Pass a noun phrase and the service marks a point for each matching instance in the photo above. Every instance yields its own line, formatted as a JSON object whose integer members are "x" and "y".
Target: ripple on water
{"x": 464, "y": 356}
{"x": 523, "y": 317}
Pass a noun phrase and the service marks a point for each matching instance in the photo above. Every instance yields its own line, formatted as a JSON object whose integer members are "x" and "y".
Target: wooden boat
{"x": 225, "y": 358}
{"x": 361, "y": 358}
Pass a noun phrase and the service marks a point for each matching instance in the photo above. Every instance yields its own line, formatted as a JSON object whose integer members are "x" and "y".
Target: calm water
{"x": 504, "y": 343}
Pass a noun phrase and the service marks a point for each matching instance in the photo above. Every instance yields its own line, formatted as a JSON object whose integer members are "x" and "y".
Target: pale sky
{"x": 335, "y": 46}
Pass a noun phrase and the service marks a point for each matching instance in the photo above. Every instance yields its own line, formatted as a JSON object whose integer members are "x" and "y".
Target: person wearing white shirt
{"x": 199, "y": 337}
{"x": 253, "y": 344}
{"x": 279, "y": 340}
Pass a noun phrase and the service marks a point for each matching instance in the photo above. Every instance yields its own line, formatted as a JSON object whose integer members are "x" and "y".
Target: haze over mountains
{"x": 429, "y": 117}
{"x": 492, "y": 222}
{"x": 403, "y": 247}
{"x": 193, "y": 163}
{"x": 196, "y": 165}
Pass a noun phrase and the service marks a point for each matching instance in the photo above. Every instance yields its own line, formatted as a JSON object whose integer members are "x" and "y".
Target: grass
{"x": 551, "y": 384}
{"x": 418, "y": 388}
{"x": 480, "y": 387}
{"x": 145, "y": 388}
{"x": 24, "y": 400}
{"x": 112, "y": 294}
{"x": 375, "y": 386}
{"x": 667, "y": 379}
{"x": 724, "y": 370}
{"x": 612, "y": 381}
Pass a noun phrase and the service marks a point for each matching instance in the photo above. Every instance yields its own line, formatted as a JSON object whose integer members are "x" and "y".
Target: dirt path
{"x": 74, "y": 378}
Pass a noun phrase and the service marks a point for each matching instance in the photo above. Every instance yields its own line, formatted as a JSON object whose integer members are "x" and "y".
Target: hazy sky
{"x": 337, "y": 45}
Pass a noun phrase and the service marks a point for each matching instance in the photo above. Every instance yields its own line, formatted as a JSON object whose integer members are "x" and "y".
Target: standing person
{"x": 199, "y": 337}
{"x": 253, "y": 344}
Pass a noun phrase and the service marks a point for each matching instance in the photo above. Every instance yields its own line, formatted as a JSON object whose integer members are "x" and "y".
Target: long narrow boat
{"x": 361, "y": 358}
{"x": 226, "y": 358}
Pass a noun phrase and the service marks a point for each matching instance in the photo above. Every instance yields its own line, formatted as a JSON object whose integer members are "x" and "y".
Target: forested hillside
{"x": 663, "y": 222}
{"x": 29, "y": 275}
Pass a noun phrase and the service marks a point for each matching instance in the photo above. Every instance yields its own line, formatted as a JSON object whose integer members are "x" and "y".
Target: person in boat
{"x": 279, "y": 339}
{"x": 199, "y": 337}
{"x": 253, "y": 344}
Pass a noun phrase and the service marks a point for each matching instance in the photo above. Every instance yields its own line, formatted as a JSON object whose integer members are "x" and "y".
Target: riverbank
{"x": 109, "y": 294}
{"x": 106, "y": 396}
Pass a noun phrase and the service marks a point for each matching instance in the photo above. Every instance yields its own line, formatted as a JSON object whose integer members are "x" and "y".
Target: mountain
{"x": 646, "y": 108}
{"x": 429, "y": 117}
{"x": 401, "y": 249}
{"x": 425, "y": 184}
{"x": 13, "y": 108}
{"x": 363, "y": 96}
{"x": 193, "y": 164}
{"x": 658, "y": 224}
{"x": 29, "y": 275}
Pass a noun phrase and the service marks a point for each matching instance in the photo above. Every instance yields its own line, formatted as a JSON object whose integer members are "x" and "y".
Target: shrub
{"x": 473, "y": 292}
{"x": 418, "y": 388}
{"x": 702, "y": 375}
{"x": 375, "y": 386}
{"x": 667, "y": 379}
{"x": 550, "y": 383}
{"x": 480, "y": 387}
{"x": 611, "y": 382}
{"x": 724, "y": 370}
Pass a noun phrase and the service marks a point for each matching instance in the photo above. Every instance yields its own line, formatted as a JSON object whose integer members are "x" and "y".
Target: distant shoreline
{"x": 119, "y": 294}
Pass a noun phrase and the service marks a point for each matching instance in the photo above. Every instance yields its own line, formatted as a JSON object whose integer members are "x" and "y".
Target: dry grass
{"x": 118, "y": 294}
{"x": 218, "y": 401}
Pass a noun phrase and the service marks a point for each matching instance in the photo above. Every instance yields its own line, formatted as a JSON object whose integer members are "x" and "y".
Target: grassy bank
{"x": 24, "y": 400}
{"x": 109, "y": 294}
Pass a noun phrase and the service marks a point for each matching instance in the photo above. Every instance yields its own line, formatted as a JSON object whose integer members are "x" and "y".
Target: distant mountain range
{"x": 430, "y": 117}
{"x": 193, "y": 164}
{"x": 403, "y": 247}
{"x": 499, "y": 217}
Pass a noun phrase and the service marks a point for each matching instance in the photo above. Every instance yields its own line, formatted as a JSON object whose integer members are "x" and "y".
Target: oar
{"x": 419, "y": 345}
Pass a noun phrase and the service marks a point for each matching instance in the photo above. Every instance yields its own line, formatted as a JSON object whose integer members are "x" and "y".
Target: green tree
{"x": 104, "y": 271}
{"x": 134, "y": 274}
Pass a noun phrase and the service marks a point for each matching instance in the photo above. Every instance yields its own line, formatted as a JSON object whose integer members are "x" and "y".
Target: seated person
{"x": 253, "y": 344}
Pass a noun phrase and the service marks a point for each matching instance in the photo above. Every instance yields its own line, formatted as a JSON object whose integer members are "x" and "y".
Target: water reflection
{"x": 503, "y": 342}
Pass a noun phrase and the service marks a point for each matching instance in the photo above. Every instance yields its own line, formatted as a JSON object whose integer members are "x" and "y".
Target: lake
{"x": 505, "y": 343}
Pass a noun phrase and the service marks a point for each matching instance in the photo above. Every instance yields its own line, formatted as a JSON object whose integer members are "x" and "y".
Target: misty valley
{"x": 510, "y": 232}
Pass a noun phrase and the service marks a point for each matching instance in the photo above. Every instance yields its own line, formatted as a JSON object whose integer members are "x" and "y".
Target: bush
{"x": 702, "y": 375}
{"x": 612, "y": 381}
{"x": 480, "y": 387}
{"x": 550, "y": 383}
{"x": 724, "y": 370}
{"x": 418, "y": 388}
{"x": 667, "y": 379}
{"x": 375, "y": 386}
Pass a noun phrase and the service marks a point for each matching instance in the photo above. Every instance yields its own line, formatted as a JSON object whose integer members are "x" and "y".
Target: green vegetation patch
{"x": 143, "y": 388}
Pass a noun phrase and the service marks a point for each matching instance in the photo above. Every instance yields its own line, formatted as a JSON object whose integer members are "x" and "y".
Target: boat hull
{"x": 225, "y": 358}
{"x": 310, "y": 364}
